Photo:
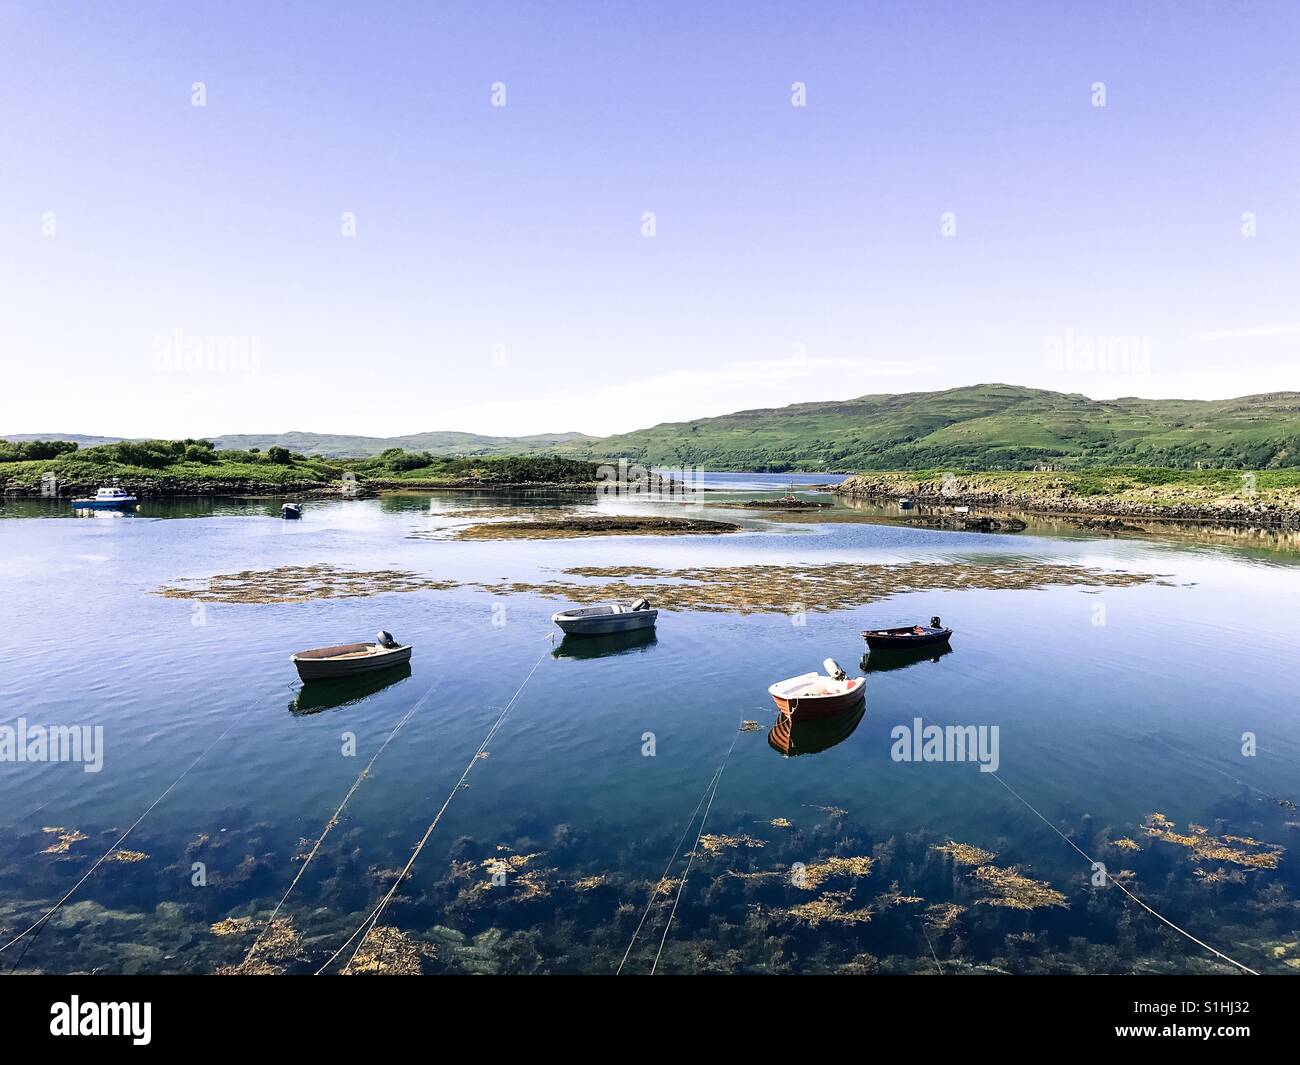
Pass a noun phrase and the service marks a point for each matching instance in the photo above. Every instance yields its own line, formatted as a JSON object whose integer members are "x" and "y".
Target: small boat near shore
{"x": 350, "y": 659}
{"x": 291, "y": 511}
{"x": 606, "y": 619}
{"x": 816, "y": 695}
{"x": 907, "y": 636}
{"x": 109, "y": 497}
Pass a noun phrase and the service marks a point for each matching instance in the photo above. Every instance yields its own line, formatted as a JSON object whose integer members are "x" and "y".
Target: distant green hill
{"x": 337, "y": 446}
{"x": 332, "y": 445}
{"x": 982, "y": 427}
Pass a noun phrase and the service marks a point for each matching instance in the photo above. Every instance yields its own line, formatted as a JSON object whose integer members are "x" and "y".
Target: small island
{"x": 562, "y": 528}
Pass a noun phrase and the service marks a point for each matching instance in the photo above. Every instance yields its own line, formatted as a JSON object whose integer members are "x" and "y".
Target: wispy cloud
{"x": 1249, "y": 333}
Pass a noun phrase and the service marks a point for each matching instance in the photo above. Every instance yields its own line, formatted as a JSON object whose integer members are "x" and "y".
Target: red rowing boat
{"x": 815, "y": 695}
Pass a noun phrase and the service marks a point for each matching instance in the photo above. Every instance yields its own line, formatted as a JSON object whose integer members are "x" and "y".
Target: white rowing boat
{"x": 606, "y": 619}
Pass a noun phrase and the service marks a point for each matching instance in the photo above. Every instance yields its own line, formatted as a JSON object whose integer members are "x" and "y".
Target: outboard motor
{"x": 833, "y": 669}
{"x": 641, "y": 604}
{"x": 935, "y": 623}
{"x": 385, "y": 639}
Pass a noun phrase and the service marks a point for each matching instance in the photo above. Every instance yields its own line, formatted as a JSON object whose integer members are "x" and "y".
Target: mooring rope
{"x": 1091, "y": 862}
{"x": 372, "y": 919}
{"x": 33, "y": 813}
{"x": 104, "y": 857}
{"x": 337, "y": 816}
{"x": 1205, "y": 763}
{"x": 654, "y": 888}
{"x": 921, "y": 920}
{"x": 694, "y": 850}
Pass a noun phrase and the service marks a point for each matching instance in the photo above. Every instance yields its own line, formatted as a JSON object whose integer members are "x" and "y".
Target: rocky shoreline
{"x": 957, "y": 492}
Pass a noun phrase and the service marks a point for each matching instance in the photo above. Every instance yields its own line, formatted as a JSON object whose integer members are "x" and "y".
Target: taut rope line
{"x": 104, "y": 857}
{"x": 654, "y": 888}
{"x": 1091, "y": 862}
{"x": 694, "y": 850}
{"x": 334, "y": 820}
{"x": 373, "y": 918}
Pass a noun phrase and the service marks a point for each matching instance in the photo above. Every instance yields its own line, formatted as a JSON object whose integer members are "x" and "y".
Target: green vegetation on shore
{"x": 197, "y": 467}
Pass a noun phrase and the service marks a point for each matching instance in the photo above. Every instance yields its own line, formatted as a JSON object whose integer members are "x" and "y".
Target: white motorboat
{"x": 607, "y": 618}
{"x": 106, "y": 498}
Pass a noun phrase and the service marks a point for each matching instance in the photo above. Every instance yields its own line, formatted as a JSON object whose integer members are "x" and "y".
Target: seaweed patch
{"x": 1014, "y": 891}
{"x": 299, "y": 584}
{"x": 822, "y": 587}
{"x": 66, "y": 838}
{"x": 388, "y": 951}
{"x": 813, "y": 876}
{"x": 829, "y": 907}
{"x": 1204, "y": 847}
{"x": 965, "y": 854}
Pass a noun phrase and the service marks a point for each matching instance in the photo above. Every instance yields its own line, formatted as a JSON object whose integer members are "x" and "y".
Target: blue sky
{"x": 499, "y": 280}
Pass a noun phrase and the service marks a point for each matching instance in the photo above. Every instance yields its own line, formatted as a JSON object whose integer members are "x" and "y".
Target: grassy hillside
{"x": 983, "y": 427}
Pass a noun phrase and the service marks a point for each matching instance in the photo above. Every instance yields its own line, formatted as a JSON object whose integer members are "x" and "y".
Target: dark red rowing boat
{"x": 907, "y": 636}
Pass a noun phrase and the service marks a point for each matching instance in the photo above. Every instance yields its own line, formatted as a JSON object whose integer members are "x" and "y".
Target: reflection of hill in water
{"x": 618, "y": 643}
{"x": 320, "y": 695}
{"x": 885, "y": 661}
{"x": 793, "y": 738}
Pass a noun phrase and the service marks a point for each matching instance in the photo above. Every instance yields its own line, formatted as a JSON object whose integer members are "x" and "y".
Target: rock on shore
{"x": 975, "y": 491}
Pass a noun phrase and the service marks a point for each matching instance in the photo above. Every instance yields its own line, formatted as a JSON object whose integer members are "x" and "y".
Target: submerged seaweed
{"x": 388, "y": 951}
{"x": 1015, "y": 891}
{"x": 66, "y": 838}
{"x": 1204, "y": 847}
{"x": 831, "y": 897}
{"x": 965, "y": 854}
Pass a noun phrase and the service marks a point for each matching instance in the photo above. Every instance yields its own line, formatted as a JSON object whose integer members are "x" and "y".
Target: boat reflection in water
{"x": 617, "y": 643}
{"x": 884, "y": 661}
{"x": 328, "y": 694}
{"x": 811, "y": 736}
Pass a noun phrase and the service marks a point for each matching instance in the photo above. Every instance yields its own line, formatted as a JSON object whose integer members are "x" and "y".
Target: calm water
{"x": 1112, "y": 704}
